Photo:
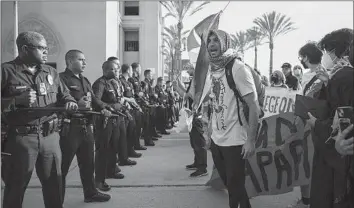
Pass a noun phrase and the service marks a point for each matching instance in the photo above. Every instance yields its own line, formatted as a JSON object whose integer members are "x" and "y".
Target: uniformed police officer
{"x": 77, "y": 134}
{"x": 133, "y": 136}
{"x": 161, "y": 109}
{"x": 32, "y": 137}
{"x": 109, "y": 131}
{"x": 153, "y": 100}
{"x": 135, "y": 80}
{"x": 147, "y": 108}
{"x": 123, "y": 143}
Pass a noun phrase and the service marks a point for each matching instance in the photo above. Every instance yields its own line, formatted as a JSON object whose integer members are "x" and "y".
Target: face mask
{"x": 304, "y": 64}
{"x": 327, "y": 61}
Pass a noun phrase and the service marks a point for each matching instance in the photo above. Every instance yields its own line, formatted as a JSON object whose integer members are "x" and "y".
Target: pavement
{"x": 159, "y": 180}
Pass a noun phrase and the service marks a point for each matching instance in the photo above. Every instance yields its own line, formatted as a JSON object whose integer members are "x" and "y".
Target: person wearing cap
{"x": 291, "y": 81}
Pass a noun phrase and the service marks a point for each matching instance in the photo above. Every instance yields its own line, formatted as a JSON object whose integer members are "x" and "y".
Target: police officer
{"x": 135, "y": 81}
{"x": 133, "y": 139}
{"x": 171, "y": 109}
{"x": 109, "y": 130}
{"x": 77, "y": 134}
{"x": 147, "y": 107}
{"x": 153, "y": 100}
{"x": 161, "y": 109}
{"x": 123, "y": 141}
{"x": 32, "y": 136}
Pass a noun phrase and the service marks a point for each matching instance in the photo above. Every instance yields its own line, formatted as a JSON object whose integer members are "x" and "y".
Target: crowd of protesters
{"x": 326, "y": 74}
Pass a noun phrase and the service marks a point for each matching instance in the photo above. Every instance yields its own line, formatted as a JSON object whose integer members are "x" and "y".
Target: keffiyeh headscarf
{"x": 227, "y": 53}
{"x": 340, "y": 64}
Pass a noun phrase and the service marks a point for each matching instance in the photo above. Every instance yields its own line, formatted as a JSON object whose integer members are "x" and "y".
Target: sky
{"x": 313, "y": 19}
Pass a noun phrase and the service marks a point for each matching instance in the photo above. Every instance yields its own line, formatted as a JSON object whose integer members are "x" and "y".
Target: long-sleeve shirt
{"x": 79, "y": 87}
{"x": 105, "y": 90}
{"x": 16, "y": 79}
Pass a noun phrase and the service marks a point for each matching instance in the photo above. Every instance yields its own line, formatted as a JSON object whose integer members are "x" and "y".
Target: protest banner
{"x": 278, "y": 101}
{"x": 284, "y": 148}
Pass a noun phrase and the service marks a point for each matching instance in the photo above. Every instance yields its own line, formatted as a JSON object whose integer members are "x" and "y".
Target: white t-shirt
{"x": 226, "y": 129}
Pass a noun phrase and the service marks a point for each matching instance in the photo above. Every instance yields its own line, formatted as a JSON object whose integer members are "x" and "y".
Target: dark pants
{"x": 29, "y": 151}
{"x": 117, "y": 145}
{"x": 161, "y": 118}
{"x": 231, "y": 167}
{"x": 131, "y": 132}
{"x": 77, "y": 139}
{"x": 147, "y": 126}
{"x": 105, "y": 137}
{"x": 198, "y": 144}
{"x": 138, "y": 117}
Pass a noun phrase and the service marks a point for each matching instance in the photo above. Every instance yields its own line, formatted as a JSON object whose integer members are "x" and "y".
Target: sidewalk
{"x": 159, "y": 180}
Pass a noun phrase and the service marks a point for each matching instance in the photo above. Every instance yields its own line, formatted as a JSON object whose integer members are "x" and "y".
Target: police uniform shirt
{"x": 16, "y": 78}
{"x": 128, "y": 87}
{"x": 79, "y": 86}
{"x": 136, "y": 84}
{"x": 105, "y": 91}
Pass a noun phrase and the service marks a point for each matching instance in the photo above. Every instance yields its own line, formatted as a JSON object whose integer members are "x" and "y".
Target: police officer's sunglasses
{"x": 41, "y": 48}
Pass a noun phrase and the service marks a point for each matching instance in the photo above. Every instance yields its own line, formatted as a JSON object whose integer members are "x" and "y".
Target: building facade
{"x": 130, "y": 30}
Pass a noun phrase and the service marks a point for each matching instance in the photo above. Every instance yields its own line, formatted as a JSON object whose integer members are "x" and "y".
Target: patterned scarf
{"x": 227, "y": 53}
{"x": 340, "y": 64}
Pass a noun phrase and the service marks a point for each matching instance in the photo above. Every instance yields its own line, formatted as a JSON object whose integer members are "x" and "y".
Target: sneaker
{"x": 191, "y": 167}
{"x": 298, "y": 204}
{"x": 199, "y": 173}
{"x": 98, "y": 197}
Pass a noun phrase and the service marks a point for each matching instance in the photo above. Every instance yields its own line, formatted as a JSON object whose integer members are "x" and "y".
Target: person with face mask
{"x": 298, "y": 73}
{"x": 277, "y": 79}
{"x": 310, "y": 57}
{"x": 333, "y": 188}
{"x": 231, "y": 142}
{"x": 291, "y": 81}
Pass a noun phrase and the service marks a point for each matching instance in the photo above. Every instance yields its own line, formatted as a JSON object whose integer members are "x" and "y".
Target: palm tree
{"x": 170, "y": 37}
{"x": 256, "y": 37}
{"x": 240, "y": 41}
{"x": 274, "y": 24}
{"x": 180, "y": 10}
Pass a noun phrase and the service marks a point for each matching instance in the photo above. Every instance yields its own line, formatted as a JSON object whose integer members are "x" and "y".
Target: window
{"x": 131, "y": 8}
{"x": 52, "y": 64}
{"x": 131, "y": 41}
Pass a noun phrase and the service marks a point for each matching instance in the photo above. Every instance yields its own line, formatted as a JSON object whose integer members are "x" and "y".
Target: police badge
{"x": 50, "y": 79}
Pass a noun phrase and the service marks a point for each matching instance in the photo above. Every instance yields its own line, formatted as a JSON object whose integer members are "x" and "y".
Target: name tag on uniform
{"x": 42, "y": 89}
{"x": 128, "y": 88}
{"x": 20, "y": 87}
{"x": 73, "y": 87}
{"x": 111, "y": 90}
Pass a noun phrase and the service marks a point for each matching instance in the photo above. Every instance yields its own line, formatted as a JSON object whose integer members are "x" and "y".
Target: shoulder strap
{"x": 232, "y": 85}
{"x": 308, "y": 85}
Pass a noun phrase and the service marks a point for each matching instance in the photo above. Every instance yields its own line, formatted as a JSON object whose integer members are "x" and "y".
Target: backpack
{"x": 260, "y": 88}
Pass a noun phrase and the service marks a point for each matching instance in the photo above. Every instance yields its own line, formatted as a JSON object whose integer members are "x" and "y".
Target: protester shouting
{"x": 333, "y": 183}
{"x": 231, "y": 142}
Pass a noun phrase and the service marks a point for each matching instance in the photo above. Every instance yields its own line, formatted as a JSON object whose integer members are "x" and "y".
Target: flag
{"x": 196, "y": 44}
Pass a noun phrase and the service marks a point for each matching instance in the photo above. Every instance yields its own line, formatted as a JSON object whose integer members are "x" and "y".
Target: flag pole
{"x": 15, "y": 27}
{"x": 226, "y": 6}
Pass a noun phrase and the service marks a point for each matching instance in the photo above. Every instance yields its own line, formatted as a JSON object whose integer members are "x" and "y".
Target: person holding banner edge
{"x": 228, "y": 150}
{"x": 338, "y": 93}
